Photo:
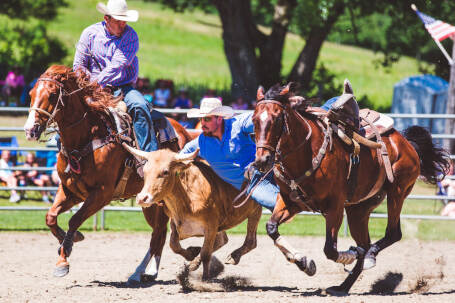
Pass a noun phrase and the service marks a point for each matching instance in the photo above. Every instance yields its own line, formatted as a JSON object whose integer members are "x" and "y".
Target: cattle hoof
{"x": 78, "y": 236}
{"x": 336, "y": 291}
{"x": 193, "y": 252}
{"x": 61, "y": 271}
{"x": 194, "y": 265}
{"x": 369, "y": 262}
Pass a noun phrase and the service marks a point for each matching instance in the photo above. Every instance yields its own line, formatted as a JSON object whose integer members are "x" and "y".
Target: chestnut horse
{"x": 289, "y": 138}
{"x": 78, "y": 107}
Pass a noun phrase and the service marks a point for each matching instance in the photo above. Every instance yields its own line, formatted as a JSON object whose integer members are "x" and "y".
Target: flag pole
{"x": 443, "y": 50}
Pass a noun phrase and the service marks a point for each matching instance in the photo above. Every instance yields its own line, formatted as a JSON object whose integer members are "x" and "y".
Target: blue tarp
{"x": 424, "y": 94}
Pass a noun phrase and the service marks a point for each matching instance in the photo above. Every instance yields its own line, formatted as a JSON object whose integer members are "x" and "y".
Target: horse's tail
{"x": 434, "y": 161}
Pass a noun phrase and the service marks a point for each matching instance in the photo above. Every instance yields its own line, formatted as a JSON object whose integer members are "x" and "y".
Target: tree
{"x": 24, "y": 41}
{"x": 254, "y": 57}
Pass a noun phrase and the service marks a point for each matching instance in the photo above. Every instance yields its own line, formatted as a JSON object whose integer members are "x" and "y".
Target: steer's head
{"x": 160, "y": 172}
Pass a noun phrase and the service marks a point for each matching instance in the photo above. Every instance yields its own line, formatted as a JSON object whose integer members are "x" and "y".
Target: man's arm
{"x": 123, "y": 56}
{"x": 81, "y": 57}
{"x": 247, "y": 123}
{"x": 190, "y": 147}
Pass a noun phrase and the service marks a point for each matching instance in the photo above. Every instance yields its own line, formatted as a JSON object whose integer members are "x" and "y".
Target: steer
{"x": 198, "y": 202}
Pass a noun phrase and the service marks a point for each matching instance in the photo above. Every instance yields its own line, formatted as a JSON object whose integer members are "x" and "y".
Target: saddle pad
{"x": 163, "y": 127}
{"x": 383, "y": 124}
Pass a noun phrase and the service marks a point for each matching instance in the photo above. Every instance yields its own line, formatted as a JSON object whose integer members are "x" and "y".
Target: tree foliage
{"x": 24, "y": 41}
{"x": 386, "y": 26}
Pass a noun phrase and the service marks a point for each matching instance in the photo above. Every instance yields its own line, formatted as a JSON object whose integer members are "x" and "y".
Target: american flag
{"x": 438, "y": 30}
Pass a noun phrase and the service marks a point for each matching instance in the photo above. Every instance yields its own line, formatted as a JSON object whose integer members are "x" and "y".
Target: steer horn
{"x": 135, "y": 152}
{"x": 186, "y": 157}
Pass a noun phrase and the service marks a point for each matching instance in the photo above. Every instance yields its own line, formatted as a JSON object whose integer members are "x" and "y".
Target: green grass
{"x": 188, "y": 48}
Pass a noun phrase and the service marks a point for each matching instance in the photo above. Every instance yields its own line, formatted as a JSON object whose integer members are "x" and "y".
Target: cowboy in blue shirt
{"x": 225, "y": 143}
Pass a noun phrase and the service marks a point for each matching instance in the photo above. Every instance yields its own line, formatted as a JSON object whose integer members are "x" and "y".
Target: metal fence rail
{"x": 168, "y": 111}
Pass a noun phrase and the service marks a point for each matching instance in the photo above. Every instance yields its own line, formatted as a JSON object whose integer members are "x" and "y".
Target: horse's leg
{"x": 210, "y": 237}
{"x": 157, "y": 219}
{"x": 250, "y": 242}
{"x": 282, "y": 213}
{"x": 358, "y": 216}
{"x": 63, "y": 201}
{"x": 95, "y": 201}
{"x": 395, "y": 198}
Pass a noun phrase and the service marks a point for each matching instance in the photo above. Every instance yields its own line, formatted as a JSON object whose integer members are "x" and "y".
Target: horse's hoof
{"x": 61, "y": 271}
{"x": 231, "y": 260}
{"x": 307, "y": 267}
{"x": 148, "y": 278}
{"x": 78, "y": 236}
{"x": 336, "y": 291}
{"x": 133, "y": 281}
{"x": 369, "y": 262}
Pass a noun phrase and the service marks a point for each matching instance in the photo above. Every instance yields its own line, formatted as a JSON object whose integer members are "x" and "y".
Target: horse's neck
{"x": 74, "y": 125}
{"x": 301, "y": 127}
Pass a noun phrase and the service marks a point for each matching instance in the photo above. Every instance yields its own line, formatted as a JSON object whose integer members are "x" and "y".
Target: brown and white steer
{"x": 198, "y": 202}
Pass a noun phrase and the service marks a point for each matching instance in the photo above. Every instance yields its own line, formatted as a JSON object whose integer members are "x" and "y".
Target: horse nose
{"x": 144, "y": 199}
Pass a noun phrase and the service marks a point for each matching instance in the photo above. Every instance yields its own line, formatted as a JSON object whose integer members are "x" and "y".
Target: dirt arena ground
{"x": 411, "y": 270}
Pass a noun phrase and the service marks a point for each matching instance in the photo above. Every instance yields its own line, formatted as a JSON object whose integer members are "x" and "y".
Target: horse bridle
{"x": 62, "y": 93}
{"x": 285, "y": 128}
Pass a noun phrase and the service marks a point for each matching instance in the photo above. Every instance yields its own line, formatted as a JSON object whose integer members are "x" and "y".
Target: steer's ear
{"x": 260, "y": 94}
{"x": 136, "y": 152}
{"x": 186, "y": 158}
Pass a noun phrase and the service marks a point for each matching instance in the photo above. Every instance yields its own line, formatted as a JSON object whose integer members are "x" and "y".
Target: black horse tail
{"x": 434, "y": 161}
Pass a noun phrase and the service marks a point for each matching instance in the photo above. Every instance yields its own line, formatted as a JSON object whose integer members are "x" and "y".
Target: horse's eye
{"x": 164, "y": 173}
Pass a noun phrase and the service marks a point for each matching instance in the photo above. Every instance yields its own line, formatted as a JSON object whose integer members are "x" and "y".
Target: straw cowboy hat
{"x": 211, "y": 107}
{"x": 118, "y": 9}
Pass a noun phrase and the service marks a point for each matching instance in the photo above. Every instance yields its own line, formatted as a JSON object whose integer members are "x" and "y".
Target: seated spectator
{"x": 162, "y": 95}
{"x": 182, "y": 100}
{"x": 14, "y": 84}
{"x": 240, "y": 104}
{"x": 8, "y": 176}
{"x": 33, "y": 176}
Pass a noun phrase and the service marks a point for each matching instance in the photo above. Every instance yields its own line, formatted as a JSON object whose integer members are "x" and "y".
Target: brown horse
{"x": 78, "y": 107}
{"x": 289, "y": 138}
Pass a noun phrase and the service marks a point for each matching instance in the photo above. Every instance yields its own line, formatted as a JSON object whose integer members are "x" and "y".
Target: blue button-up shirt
{"x": 230, "y": 156}
{"x": 115, "y": 55}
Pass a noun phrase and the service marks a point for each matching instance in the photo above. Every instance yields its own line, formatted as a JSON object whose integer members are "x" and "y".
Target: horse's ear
{"x": 347, "y": 87}
{"x": 286, "y": 89}
{"x": 260, "y": 94}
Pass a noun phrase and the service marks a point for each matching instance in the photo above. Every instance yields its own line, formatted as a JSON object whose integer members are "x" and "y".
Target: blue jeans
{"x": 266, "y": 192}
{"x": 140, "y": 113}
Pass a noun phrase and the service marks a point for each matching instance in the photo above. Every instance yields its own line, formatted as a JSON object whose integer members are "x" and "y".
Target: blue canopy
{"x": 424, "y": 94}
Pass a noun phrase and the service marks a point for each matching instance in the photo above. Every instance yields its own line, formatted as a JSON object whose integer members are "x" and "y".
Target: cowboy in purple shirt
{"x": 107, "y": 50}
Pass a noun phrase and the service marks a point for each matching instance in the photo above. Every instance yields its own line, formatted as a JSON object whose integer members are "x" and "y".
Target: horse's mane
{"x": 298, "y": 103}
{"x": 94, "y": 96}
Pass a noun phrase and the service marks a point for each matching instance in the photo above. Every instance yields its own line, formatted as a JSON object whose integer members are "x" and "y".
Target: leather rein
{"x": 279, "y": 168}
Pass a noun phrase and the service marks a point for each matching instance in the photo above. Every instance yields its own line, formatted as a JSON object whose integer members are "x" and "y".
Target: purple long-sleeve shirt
{"x": 115, "y": 55}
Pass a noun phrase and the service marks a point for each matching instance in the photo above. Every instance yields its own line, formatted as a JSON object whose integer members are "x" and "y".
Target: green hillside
{"x": 188, "y": 49}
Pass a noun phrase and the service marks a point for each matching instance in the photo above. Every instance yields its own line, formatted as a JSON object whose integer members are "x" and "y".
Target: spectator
{"x": 162, "y": 95}
{"x": 8, "y": 176}
{"x": 240, "y": 104}
{"x": 33, "y": 177}
{"x": 185, "y": 122}
{"x": 182, "y": 100}
{"x": 14, "y": 84}
{"x": 210, "y": 93}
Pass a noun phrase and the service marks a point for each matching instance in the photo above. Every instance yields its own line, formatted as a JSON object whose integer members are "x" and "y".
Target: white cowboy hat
{"x": 118, "y": 9}
{"x": 211, "y": 107}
